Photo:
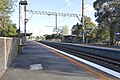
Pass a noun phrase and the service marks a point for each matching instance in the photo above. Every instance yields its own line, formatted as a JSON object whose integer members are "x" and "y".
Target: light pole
{"x": 24, "y": 3}
{"x": 25, "y": 22}
{"x": 56, "y": 23}
{"x": 19, "y": 22}
{"x": 83, "y": 27}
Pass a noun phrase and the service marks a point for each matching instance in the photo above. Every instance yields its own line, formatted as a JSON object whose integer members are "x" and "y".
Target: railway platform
{"x": 37, "y": 62}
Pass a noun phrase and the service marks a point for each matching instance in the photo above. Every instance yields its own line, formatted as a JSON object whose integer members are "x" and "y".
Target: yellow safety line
{"x": 100, "y": 76}
{"x": 90, "y": 70}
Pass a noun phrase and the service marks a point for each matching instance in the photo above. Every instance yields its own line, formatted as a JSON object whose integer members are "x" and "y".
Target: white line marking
{"x": 109, "y": 71}
{"x": 36, "y": 67}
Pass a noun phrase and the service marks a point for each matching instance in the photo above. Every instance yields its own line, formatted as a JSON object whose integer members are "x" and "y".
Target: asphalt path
{"x": 53, "y": 66}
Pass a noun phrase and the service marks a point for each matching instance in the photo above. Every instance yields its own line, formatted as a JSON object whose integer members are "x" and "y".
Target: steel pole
{"x": 83, "y": 27}
{"x": 24, "y": 24}
{"x": 56, "y": 23}
{"x": 19, "y": 23}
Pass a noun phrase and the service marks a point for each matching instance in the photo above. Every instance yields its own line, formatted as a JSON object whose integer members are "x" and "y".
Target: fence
{"x": 8, "y": 51}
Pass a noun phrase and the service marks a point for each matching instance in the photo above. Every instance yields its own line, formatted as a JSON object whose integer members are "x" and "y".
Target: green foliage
{"x": 53, "y": 37}
{"x": 89, "y": 29}
{"x": 11, "y": 30}
{"x": 102, "y": 34}
{"x": 48, "y": 37}
{"x": 77, "y": 29}
{"x": 64, "y": 30}
{"x": 6, "y": 26}
{"x": 88, "y": 23}
{"x": 107, "y": 14}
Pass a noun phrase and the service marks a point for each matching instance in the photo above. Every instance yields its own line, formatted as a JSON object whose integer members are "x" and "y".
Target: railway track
{"x": 109, "y": 63}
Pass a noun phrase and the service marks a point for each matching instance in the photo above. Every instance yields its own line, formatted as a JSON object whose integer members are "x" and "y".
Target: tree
{"x": 11, "y": 30}
{"x": 64, "y": 30}
{"x": 107, "y": 14}
{"x": 53, "y": 37}
{"x": 7, "y": 28}
{"x": 89, "y": 29}
{"x": 77, "y": 29}
{"x": 102, "y": 34}
{"x": 48, "y": 37}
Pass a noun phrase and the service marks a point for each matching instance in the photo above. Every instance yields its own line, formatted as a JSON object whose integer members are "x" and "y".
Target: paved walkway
{"x": 54, "y": 67}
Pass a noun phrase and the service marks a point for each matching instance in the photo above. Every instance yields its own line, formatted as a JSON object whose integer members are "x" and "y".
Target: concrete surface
{"x": 8, "y": 51}
{"x": 54, "y": 67}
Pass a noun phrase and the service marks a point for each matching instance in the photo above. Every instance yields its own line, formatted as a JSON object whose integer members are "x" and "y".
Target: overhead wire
{"x": 86, "y": 7}
{"x": 64, "y": 5}
{"x": 78, "y": 11}
{"x": 29, "y": 5}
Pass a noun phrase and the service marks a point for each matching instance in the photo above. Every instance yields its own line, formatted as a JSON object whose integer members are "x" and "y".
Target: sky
{"x": 37, "y": 23}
